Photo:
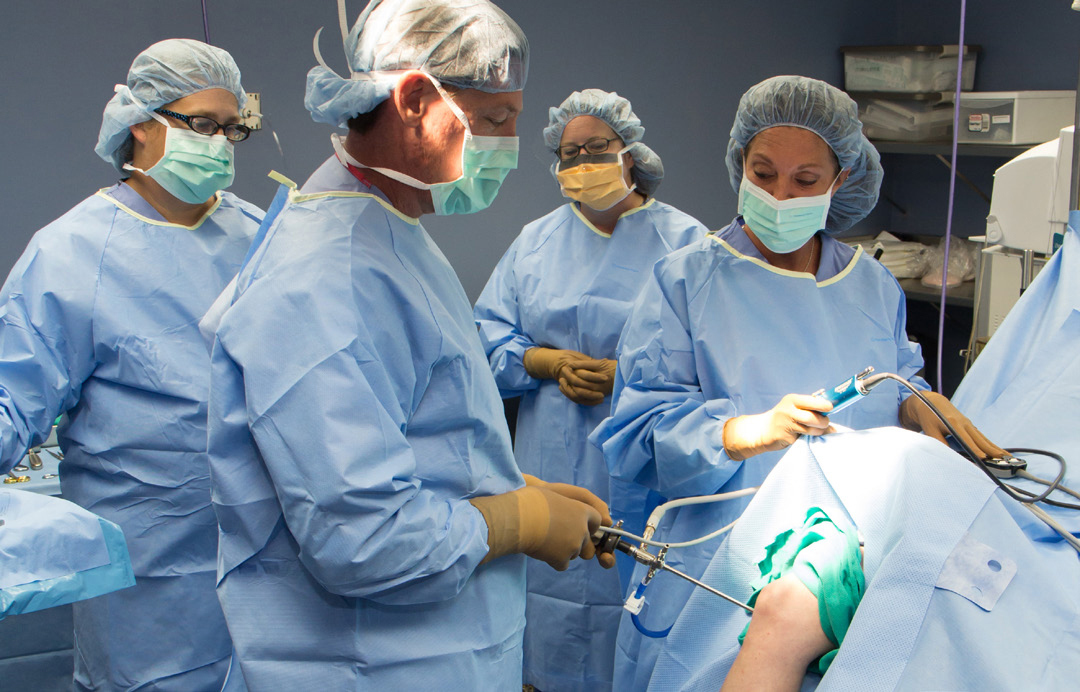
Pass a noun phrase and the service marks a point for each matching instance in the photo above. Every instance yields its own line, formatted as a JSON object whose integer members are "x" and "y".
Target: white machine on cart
{"x": 1028, "y": 212}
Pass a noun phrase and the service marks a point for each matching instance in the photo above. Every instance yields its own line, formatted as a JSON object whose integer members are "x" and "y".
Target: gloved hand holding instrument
{"x": 552, "y": 522}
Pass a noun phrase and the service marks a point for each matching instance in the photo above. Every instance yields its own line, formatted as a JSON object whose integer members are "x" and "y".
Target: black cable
{"x": 1062, "y": 488}
{"x": 1051, "y": 486}
{"x": 1055, "y": 503}
{"x": 978, "y": 460}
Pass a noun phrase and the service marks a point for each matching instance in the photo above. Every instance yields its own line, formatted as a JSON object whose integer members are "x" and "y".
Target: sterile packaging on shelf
{"x": 905, "y": 120}
{"x": 1014, "y": 117}
{"x": 903, "y": 259}
{"x": 962, "y": 263}
{"x": 911, "y": 69}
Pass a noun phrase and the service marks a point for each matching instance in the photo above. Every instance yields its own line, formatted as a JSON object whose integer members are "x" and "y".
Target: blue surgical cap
{"x": 469, "y": 44}
{"x": 614, "y": 110}
{"x": 164, "y": 72}
{"x": 832, "y": 115}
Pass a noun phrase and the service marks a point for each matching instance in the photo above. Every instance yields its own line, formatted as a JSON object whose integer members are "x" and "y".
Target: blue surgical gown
{"x": 717, "y": 332}
{"x": 353, "y": 414}
{"x": 99, "y": 318}
{"x": 566, "y": 284}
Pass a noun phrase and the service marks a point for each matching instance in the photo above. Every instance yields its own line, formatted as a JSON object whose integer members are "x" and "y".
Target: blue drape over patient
{"x": 718, "y": 333}
{"x": 56, "y": 552}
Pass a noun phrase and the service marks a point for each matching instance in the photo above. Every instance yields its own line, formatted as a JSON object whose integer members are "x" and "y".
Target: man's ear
{"x": 138, "y": 131}
{"x": 409, "y": 97}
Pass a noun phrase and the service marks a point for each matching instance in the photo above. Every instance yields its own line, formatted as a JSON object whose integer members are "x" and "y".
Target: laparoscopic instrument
{"x": 847, "y": 393}
{"x": 612, "y": 538}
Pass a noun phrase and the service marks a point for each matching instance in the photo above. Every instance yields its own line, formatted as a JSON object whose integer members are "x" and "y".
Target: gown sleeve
{"x": 662, "y": 432}
{"x": 909, "y": 359}
{"x": 326, "y": 412}
{"x": 498, "y": 318}
{"x": 46, "y": 337}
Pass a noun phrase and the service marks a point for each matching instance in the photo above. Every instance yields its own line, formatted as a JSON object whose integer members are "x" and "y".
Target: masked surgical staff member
{"x": 550, "y": 317}
{"x": 374, "y": 522}
{"x": 99, "y": 318}
{"x": 731, "y": 335}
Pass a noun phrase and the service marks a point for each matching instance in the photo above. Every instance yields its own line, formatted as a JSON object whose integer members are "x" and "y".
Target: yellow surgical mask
{"x": 595, "y": 180}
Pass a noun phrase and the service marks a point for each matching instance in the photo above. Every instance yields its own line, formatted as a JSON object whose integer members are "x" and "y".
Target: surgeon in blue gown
{"x": 550, "y": 317}
{"x": 99, "y": 319}
{"x": 731, "y": 335}
{"x": 374, "y": 523}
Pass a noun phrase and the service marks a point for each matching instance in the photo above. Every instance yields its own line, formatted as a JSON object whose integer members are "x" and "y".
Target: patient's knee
{"x": 785, "y": 603}
{"x": 786, "y": 623}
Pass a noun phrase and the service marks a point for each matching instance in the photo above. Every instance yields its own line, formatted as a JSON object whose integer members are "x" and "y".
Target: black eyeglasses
{"x": 235, "y": 132}
{"x": 593, "y": 145}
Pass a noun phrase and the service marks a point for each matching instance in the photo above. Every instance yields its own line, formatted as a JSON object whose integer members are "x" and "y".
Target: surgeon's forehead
{"x": 791, "y": 144}
{"x": 510, "y": 102}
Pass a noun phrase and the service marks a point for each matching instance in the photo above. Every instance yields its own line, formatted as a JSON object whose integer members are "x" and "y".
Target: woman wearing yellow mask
{"x": 549, "y": 318}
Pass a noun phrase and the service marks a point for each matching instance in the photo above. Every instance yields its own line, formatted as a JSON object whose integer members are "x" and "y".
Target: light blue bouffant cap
{"x": 164, "y": 72}
{"x": 831, "y": 114}
{"x": 469, "y": 44}
{"x": 614, "y": 110}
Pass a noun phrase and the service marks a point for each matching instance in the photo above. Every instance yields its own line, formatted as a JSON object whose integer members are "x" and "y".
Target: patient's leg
{"x": 784, "y": 637}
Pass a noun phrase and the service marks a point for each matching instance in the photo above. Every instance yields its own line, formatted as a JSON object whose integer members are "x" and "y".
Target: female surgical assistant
{"x": 99, "y": 319}
{"x": 549, "y": 318}
{"x": 730, "y": 335}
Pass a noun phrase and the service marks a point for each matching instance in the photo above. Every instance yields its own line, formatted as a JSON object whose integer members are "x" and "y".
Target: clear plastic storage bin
{"x": 910, "y": 69}
{"x": 906, "y": 121}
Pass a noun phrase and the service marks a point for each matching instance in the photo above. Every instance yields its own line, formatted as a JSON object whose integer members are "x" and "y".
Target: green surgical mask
{"x": 194, "y": 167}
{"x": 485, "y": 163}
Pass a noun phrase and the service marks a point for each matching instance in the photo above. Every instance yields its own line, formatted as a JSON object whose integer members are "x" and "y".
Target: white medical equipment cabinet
{"x": 1029, "y": 208}
{"x": 1014, "y": 117}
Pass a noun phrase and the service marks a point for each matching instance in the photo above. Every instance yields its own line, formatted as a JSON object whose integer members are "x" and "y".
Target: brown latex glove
{"x": 914, "y": 415}
{"x": 589, "y": 381}
{"x": 533, "y": 481}
{"x": 548, "y": 363}
{"x": 777, "y": 428}
{"x": 595, "y": 374}
{"x": 581, "y": 379}
{"x": 606, "y": 560}
{"x": 540, "y": 523}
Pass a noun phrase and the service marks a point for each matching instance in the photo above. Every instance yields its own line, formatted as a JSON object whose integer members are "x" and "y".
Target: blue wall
{"x": 683, "y": 64}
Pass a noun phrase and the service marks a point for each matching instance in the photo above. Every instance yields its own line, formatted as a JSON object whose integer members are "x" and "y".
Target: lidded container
{"x": 908, "y": 69}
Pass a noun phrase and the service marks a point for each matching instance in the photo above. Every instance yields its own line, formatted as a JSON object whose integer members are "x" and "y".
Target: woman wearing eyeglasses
{"x": 99, "y": 319}
{"x": 550, "y": 317}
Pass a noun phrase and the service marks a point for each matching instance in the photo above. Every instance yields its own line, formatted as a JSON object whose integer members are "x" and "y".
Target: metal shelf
{"x": 1005, "y": 151}
{"x": 962, "y": 295}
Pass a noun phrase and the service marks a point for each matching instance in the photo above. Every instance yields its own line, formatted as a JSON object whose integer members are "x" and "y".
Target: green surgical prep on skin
{"x": 827, "y": 560}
